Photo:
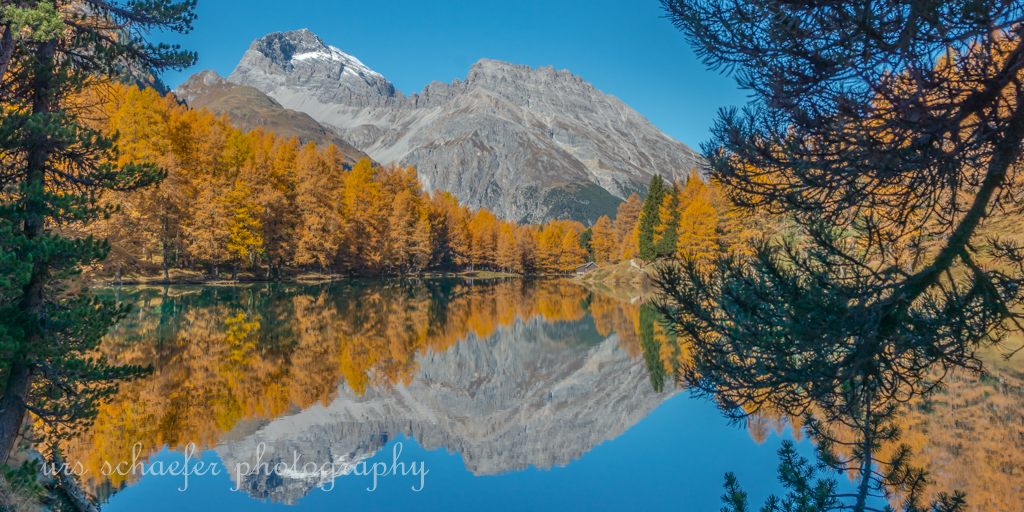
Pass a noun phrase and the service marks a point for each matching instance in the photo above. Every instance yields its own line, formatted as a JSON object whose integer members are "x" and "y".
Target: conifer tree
{"x": 697, "y": 231}
{"x": 144, "y": 225}
{"x": 53, "y": 169}
{"x": 666, "y": 236}
{"x": 483, "y": 230}
{"x": 572, "y": 254}
{"x": 401, "y": 222}
{"x": 460, "y": 237}
{"x": 245, "y": 231}
{"x": 271, "y": 177}
{"x": 207, "y": 227}
{"x": 625, "y": 225}
{"x": 440, "y": 214}
{"x": 650, "y": 218}
{"x": 549, "y": 247}
{"x": 507, "y": 255}
{"x": 604, "y": 241}
{"x": 526, "y": 244}
{"x": 585, "y": 237}
{"x": 422, "y": 242}
{"x": 872, "y": 126}
{"x": 365, "y": 229}
{"x": 318, "y": 234}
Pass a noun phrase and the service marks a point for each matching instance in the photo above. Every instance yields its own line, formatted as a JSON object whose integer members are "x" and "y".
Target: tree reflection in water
{"x": 852, "y": 395}
{"x": 229, "y": 359}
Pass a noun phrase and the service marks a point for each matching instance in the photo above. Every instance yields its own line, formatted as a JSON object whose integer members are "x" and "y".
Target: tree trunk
{"x": 19, "y": 381}
{"x": 12, "y": 407}
{"x": 213, "y": 271}
{"x": 117, "y": 275}
{"x": 167, "y": 276}
{"x": 6, "y": 50}
{"x": 74, "y": 493}
{"x": 270, "y": 265}
{"x": 234, "y": 272}
{"x": 865, "y": 467}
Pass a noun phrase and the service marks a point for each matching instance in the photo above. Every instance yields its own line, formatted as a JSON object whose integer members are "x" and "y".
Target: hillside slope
{"x": 249, "y": 108}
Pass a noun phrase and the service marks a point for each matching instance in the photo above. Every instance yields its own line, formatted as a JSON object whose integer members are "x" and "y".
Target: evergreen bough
{"x": 53, "y": 171}
{"x": 885, "y": 133}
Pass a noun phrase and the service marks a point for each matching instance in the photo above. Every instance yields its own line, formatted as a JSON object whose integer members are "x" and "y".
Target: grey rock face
{"x": 530, "y": 144}
{"x": 534, "y": 394}
{"x": 300, "y": 57}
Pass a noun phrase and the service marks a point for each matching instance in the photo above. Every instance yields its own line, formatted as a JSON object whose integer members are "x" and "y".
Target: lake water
{"x": 501, "y": 395}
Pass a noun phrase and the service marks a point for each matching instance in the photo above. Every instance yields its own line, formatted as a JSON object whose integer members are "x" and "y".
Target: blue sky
{"x": 624, "y": 47}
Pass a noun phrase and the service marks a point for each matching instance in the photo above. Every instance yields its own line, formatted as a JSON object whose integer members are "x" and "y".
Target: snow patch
{"x": 352, "y": 64}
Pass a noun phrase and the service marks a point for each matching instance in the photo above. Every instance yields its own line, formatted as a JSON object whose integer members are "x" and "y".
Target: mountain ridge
{"x": 532, "y": 394}
{"x": 531, "y": 144}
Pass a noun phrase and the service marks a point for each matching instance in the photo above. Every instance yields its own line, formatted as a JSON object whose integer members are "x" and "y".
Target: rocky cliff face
{"x": 531, "y": 144}
{"x": 534, "y": 394}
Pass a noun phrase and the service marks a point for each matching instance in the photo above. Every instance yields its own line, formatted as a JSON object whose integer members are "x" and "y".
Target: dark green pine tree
{"x": 649, "y": 316}
{"x": 668, "y": 244}
{"x": 53, "y": 170}
{"x": 650, "y": 217}
{"x": 585, "y": 238}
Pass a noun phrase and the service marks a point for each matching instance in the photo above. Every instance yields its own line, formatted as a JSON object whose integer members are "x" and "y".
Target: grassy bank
{"x": 629, "y": 273}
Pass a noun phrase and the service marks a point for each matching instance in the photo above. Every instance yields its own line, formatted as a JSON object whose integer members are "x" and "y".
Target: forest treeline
{"x": 674, "y": 219}
{"x": 257, "y": 201}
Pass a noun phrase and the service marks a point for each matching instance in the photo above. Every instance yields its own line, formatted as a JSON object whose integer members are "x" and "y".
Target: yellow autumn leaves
{"x": 227, "y": 356}
{"x": 694, "y": 218}
{"x": 256, "y": 200}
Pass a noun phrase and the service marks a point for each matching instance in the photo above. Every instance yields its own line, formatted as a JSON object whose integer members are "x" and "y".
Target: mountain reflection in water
{"x": 509, "y": 374}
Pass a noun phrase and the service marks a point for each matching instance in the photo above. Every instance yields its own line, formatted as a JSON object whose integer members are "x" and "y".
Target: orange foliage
{"x": 255, "y": 199}
{"x": 224, "y": 356}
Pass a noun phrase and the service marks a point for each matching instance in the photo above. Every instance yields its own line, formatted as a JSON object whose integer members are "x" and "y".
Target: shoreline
{"x": 183, "y": 278}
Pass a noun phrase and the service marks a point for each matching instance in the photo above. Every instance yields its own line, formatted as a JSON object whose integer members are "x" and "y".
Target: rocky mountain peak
{"x": 529, "y": 143}
{"x": 198, "y": 84}
{"x": 281, "y": 47}
{"x": 290, "y": 49}
{"x": 279, "y": 60}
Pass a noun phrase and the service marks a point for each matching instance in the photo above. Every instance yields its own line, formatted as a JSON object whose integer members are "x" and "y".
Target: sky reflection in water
{"x": 674, "y": 458}
{"x": 513, "y": 395}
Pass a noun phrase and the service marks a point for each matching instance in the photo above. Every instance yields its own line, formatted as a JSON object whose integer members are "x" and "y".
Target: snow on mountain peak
{"x": 271, "y": 63}
{"x": 510, "y": 137}
{"x": 285, "y": 49}
{"x": 351, "y": 64}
